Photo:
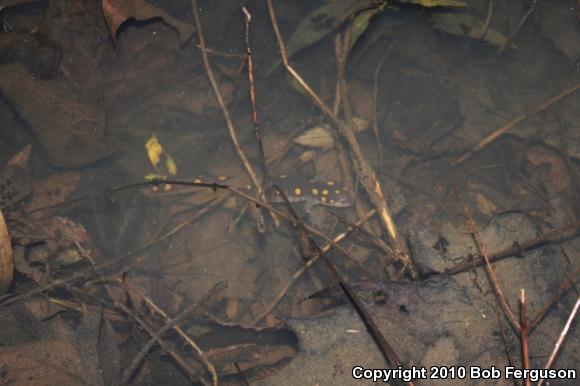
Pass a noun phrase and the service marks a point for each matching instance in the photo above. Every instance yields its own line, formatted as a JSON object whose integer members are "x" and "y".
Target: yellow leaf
{"x": 154, "y": 150}
{"x": 170, "y": 165}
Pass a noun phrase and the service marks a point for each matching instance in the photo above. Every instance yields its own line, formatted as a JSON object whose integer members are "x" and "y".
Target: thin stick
{"x": 264, "y": 166}
{"x": 179, "y": 360}
{"x": 490, "y": 271}
{"x": 325, "y": 248}
{"x": 504, "y": 338}
{"x": 375, "y": 123}
{"x": 561, "y": 338}
{"x": 119, "y": 305}
{"x": 524, "y": 334}
{"x": 487, "y": 20}
{"x": 564, "y": 287}
{"x": 136, "y": 362}
{"x": 200, "y": 354}
{"x": 518, "y": 27}
{"x": 511, "y": 251}
{"x": 365, "y": 172}
{"x": 514, "y": 122}
{"x": 225, "y": 111}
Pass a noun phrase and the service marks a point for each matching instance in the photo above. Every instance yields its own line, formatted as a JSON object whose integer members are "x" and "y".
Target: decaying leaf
{"x": 462, "y": 24}
{"x": 361, "y": 22}
{"x": 12, "y": 3}
{"x": 557, "y": 23}
{"x": 118, "y": 12}
{"x": 48, "y": 356}
{"x": 436, "y": 3}
{"x": 21, "y": 158}
{"x": 14, "y": 185}
{"x": 323, "y": 21}
{"x": 55, "y": 189}
{"x": 360, "y": 124}
{"x": 71, "y": 131}
{"x": 6, "y": 259}
{"x": 319, "y": 137}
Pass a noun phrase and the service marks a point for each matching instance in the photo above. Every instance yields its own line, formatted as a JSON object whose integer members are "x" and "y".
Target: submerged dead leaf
{"x": 6, "y": 259}
{"x": 71, "y": 132}
{"x": 41, "y": 362}
{"x": 119, "y": 11}
{"x": 557, "y": 23}
{"x": 322, "y": 21}
{"x": 55, "y": 189}
{"x": 12, "y": 3}
{"x": 556, "y": 173}
{"x": 361, "y": 23}
{"x": 319, "y": 137}
{"x": 462, "y": 24}
{"x": 436, "y": 3}
{"x": 21, "y": 158}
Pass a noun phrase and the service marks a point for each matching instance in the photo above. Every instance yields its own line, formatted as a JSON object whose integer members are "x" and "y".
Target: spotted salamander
{"x": 310, "y": 192}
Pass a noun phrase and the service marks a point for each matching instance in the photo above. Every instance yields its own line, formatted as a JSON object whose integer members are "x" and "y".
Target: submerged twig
{"x": 364, "y": 170}
{"x": 267, "y": 180}
{"x": 298, "y": 274}
{"x": 375, "y": 123}
{"x": 482, "y": 250}
{"x": 524, "y": 334}
{"x": 521, "y": 23}
{"x": 170, "y": 324}
{"x": 487, "y": 20}
{"x": 231, "y": 128}
{"x": 514, "y": 122}
{"x": 514, "y": 250}
{"x": 561, "y": 338}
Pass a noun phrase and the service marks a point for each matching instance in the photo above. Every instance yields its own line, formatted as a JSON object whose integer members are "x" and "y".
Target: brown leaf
{"x": 70, "y": 131}
{"x": 118, "y": 12}
{"x": 21, "y": 158}
{"x": 12, "y": 3}
{"x": 53, "y": 190}
{"x": 6, "y": 259}
{"x": 42, "y": 362}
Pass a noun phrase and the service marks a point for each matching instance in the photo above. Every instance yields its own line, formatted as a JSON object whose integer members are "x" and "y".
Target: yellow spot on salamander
{"x": 167, "y": 187}
{"x": 331, "y": 201}
{"x": 322, "y": 199}
{"x": 325, "y": 192}
{"x": 297, "y": 191}
{"x": 315, "y": 191}
{"x": 330, "y": 183}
